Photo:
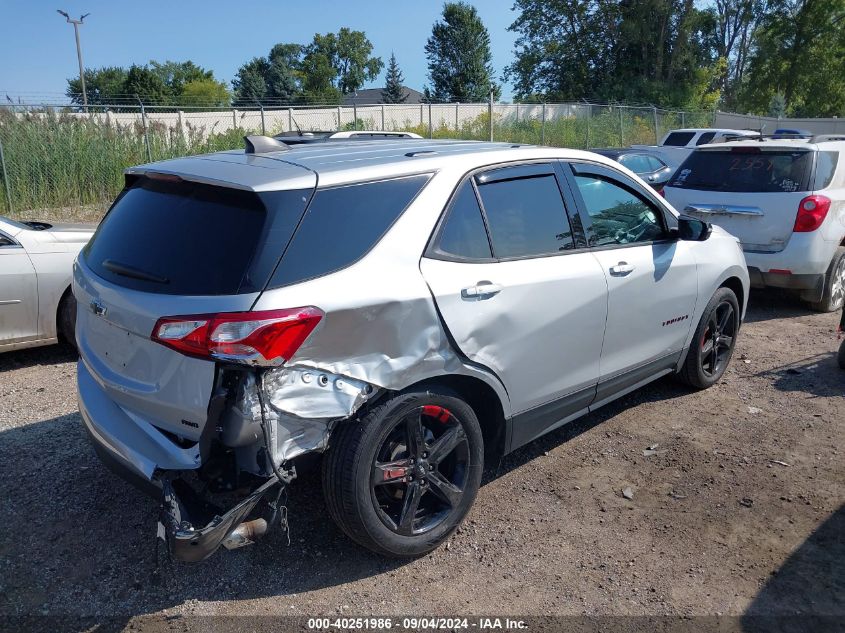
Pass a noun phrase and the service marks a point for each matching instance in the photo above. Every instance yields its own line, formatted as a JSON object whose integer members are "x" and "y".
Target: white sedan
{"x": 36, "y": 266}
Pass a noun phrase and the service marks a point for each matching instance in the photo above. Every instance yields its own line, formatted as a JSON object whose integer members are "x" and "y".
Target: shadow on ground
{"x": 47, "y": 355}
{"x": 807, "y": 593}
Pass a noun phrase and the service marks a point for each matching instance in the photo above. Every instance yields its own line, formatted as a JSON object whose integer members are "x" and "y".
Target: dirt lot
{"x": 739, "y": 510}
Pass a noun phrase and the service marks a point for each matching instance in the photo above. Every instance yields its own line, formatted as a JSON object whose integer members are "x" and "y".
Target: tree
{"x": 459, "y": 60}
{"x": 104, "y": 86}
{"x": 655, "y": 51}
{"x": 735, "y": 23}
{"x": 339, "y": 63}
{"x": 799, "y": 52}
{"x": 142, "y": 83}
{"x": 205, "y": 92}
{"x": 250, "y": 84}
{"x": 282, "y": 76}
{"x": 394, "y": 89}
{"x": 175, "y": 75}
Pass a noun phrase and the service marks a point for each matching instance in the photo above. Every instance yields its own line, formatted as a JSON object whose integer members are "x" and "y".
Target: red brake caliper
{"x": 437, "y": 412}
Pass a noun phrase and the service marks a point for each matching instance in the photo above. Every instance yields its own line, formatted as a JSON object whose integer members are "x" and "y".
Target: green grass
{"x": 69, "y": 167}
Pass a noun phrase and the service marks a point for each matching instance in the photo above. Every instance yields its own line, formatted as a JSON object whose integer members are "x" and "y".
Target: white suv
{"x": 785, "y": 200}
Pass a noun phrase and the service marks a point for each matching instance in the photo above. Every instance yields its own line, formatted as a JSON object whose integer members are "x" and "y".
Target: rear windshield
{"x": 679, "y": 139}
{"x": 180, "y": 237}
{"x": 743, "y": 171}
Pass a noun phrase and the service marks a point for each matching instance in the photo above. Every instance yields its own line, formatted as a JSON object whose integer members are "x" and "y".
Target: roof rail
{"x": 822, "y": 138}
{"x": 258, "y": 144}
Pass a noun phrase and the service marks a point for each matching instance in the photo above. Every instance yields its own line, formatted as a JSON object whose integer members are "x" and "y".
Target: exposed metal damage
{"x": 300, "y": 406}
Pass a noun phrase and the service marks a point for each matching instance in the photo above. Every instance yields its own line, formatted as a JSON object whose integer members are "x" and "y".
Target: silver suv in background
{"x": 784, "y": 199}
{"x": 409, "y": 308}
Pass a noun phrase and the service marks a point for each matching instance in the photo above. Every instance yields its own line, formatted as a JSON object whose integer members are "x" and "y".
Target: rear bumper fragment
{"x": 188, "y": 543}
{"x": 760, "y": 279}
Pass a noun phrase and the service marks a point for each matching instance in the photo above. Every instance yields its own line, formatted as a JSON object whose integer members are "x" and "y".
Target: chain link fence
{"x": 61, "y": 163}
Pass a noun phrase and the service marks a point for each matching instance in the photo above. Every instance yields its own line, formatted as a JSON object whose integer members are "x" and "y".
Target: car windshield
{"x": 745, "y": 170}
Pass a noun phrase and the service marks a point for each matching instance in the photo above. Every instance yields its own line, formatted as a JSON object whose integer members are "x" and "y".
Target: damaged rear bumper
{"x": 188, "y": 543}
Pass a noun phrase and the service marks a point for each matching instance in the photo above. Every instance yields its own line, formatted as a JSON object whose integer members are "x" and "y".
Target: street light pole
{"x": 76, "y": 24}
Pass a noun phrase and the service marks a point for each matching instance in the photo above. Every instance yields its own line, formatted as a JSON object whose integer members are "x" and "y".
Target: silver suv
{"x": 408, "y": 308}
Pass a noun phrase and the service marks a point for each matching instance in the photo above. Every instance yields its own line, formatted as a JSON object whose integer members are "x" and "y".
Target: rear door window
{"x": 342, "y": 224}
{"x": 637, "y": 163}
{"x": 679, "y": 139}
{"x": 746, "y": 170}
{"x": 525, "y": 215}
{"x": 825, "y": 168}
{"x": 186, "y": 238}
{"x": 705, "y": 138}
{"x": 463, "y": 235}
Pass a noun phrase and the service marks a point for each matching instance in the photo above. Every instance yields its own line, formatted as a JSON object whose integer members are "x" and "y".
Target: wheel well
{"x": 736, "y": 285}
{"x": 485, "y": 402}
{"x": 68, "y": 292}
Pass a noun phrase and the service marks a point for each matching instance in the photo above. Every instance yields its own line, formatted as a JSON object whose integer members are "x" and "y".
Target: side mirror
{"x": 693, "y": 230}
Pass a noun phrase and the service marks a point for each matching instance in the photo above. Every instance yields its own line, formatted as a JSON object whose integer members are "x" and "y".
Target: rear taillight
{"x": 268, "y": 337}
{"x": 812, "y": 211}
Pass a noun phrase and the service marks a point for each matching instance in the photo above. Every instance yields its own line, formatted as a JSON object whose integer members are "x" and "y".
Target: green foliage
{"x": 101, "y": 85}
{"x": 459, "y": 59}
{"x": 800, "y": 53}
{"x": 146, "y": 85}
{"x": 250, "y": 83}
{"x": 205, "y": 92}
{"x": 332, "y": 65}
{"x": 648, "y": 51}
{"x": 777, "y": 105}
{"x": 161, "y": 83}
{"x": 175, "y": 75}
{"x": 394, "y": 88}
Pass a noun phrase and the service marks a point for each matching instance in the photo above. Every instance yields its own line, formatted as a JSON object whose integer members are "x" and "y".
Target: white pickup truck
{"x": 677, "y": 145}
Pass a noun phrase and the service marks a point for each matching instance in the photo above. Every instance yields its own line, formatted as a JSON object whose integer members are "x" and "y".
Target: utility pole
{"x": 76, "y": 24}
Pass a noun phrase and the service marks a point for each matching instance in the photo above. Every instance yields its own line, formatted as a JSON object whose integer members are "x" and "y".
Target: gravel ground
{"x": 739, "y": 509}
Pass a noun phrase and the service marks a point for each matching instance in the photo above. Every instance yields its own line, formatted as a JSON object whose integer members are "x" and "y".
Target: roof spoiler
{"x": 821, "y": 138}
{"x": 258, "y": 144}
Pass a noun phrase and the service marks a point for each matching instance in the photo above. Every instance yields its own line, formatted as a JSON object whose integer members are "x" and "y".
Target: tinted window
{"x": 747, "y": 170}
{"x": 526, "y": 216}
{"x": 825, "y": 168}
{"x": 655, "y": 163}
{"x": 679, "y": 139}
{"x": 179, "y": 237}
{"x": 637, "y": 163}
{"x": 463, "y": 233}
{"x": 618, "y": 216}
{"x": 705, "y": 138}
{"x": 342, "y": 224}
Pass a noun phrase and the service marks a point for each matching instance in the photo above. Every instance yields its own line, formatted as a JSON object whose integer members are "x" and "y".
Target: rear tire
{"x": 400, "y": 479}
{"x": 834, "y": 285}
{"x": 842, "y": 355}
{"x": 66, "y": 319}
{"x": 713, "y": 342}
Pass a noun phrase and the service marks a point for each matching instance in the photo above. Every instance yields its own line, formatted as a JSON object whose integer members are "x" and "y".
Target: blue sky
{"x": 38, "y": 52}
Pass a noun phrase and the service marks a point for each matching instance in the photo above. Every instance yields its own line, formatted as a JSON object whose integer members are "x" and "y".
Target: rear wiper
{"x": 130, "y": 271}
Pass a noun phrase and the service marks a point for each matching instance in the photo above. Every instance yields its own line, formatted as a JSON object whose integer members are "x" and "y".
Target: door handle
{"x": 621, "y": 269}
{"x": 480, "y": 290}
